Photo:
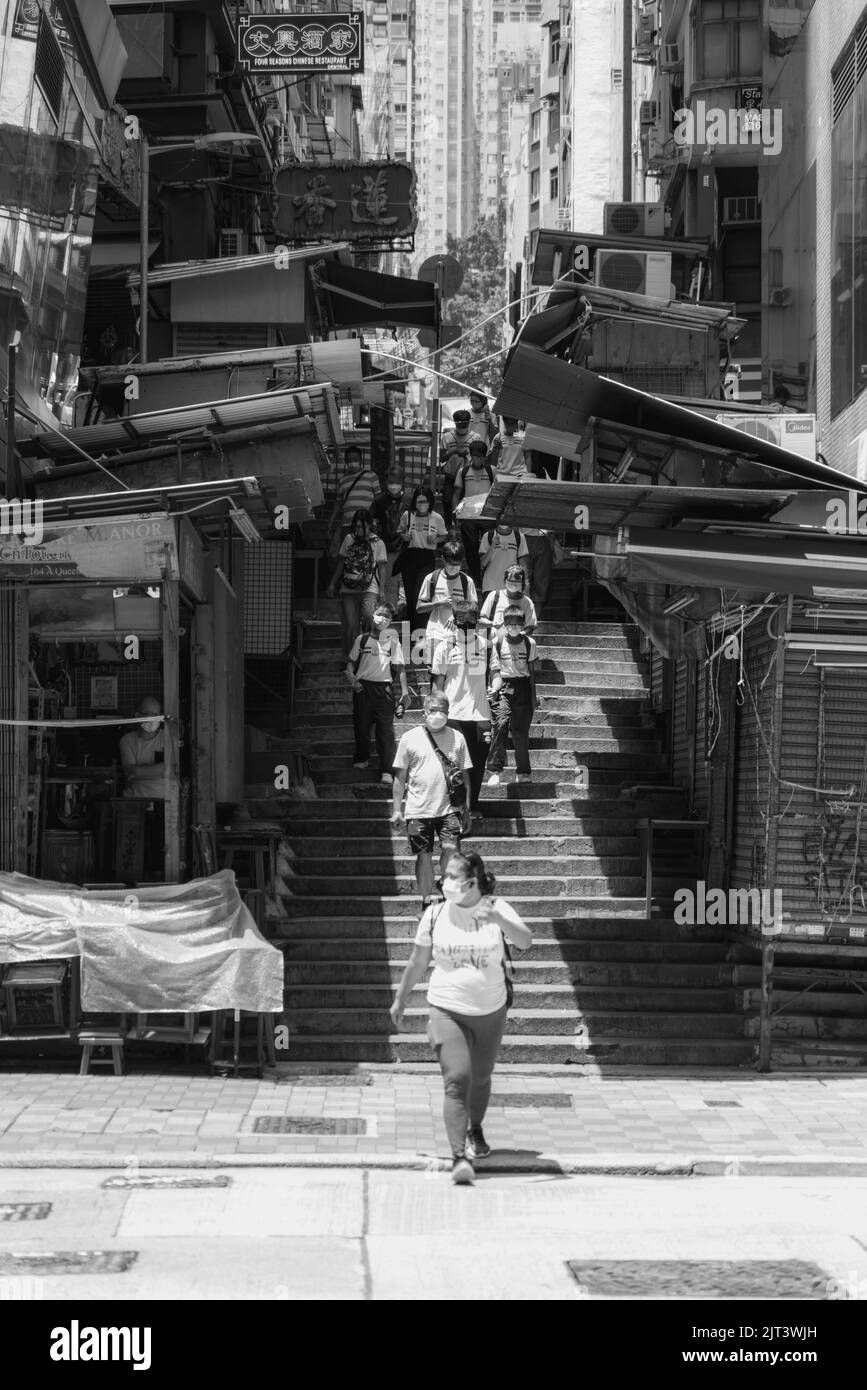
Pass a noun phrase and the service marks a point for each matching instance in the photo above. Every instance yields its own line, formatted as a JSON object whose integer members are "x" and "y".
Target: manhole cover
{"x": 24, "y": 1211}
{"x": 342, "y": 1079}
{"x": 289, "y": 1124}
{"x": 543, "y": 1100}
{"x": 170, "y": 1180}
{"x": 724, "y": 1104}
{"x": 69, "y": 1262}
{"x": 700, "y": 1278}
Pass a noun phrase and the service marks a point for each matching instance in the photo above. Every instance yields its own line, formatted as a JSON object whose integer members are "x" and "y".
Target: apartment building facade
{"x": 445, "y": 127}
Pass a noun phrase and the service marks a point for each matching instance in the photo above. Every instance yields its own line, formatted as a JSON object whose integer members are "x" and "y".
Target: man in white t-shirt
{"x": 499, "y": 550}
{"x": 460, "y": 671}
{"x": 507, "y": 456}
{"x": 430, "y": 813}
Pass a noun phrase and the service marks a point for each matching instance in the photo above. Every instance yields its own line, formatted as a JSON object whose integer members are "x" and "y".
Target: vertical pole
{"x": 144, "y": 237}
{"x": 765, "y": 1006}
{"x": 202, "y": 732}
{"x": 437, "y": 415}
{"x": 13, "y": 476}
{"x": 171, "y": 709}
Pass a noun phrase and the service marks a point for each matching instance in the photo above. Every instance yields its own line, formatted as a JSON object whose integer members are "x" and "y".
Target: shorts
{"x": 422, "y": 833}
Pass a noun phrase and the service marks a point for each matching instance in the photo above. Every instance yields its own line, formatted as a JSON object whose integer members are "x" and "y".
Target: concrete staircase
{"x": 602, "y": 984}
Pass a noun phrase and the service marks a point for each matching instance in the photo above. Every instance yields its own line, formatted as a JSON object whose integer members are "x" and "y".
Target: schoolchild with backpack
{"x": 359, "y": 577}
{"x": 375, "y": 659}
{"x": 498, "y": 601}
{"x": 512, "y": 693}
{"x": 423, "y": 533}
{"x": 445, "y": 597}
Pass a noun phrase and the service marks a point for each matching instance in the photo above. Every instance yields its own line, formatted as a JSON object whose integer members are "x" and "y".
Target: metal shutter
{"x": 752, "y": 774}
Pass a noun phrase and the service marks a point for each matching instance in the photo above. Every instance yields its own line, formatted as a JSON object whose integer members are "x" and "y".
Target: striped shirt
{"x": 378, "y": 655}
{"x": 356, "y": 494}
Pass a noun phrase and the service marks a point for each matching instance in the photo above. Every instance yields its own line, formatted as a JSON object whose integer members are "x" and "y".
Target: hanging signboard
{"x": 123, "y": 547}
{"x": 346, "y": 202}
{"x": 26, "y": 22}
{"x": 326, "y": 43}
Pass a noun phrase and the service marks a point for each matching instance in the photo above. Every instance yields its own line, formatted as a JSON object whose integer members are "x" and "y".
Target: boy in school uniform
{"x": 373, "y": 661}
{"x": 513, "y": 697}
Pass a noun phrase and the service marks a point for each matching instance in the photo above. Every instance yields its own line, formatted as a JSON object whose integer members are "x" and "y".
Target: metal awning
{"x": 314, "y": 404}
{"x": 243, "y": 493}
{"x": 552, "y": 505}
{"x": 111, "y": 256}
{"x": 642, "y": 556}
{"x": 224, "y": 265}
{"x": 354, "y": 298}
{"x": 564, "y": 397}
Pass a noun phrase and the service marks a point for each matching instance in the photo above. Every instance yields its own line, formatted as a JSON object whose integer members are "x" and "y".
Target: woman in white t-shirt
{"x": 467, "y": 999}
{"x": 423, "y": 531}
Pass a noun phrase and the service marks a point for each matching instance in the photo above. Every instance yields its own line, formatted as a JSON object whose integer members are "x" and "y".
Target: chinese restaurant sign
{"x": 325, "y": 44}
{"x": 346, "y": 202}
{"x": 126, "y": 547}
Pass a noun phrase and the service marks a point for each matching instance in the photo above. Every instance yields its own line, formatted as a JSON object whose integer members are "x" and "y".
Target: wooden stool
{"x": 102, "y": 1037}
{"x": 261, "y": 849}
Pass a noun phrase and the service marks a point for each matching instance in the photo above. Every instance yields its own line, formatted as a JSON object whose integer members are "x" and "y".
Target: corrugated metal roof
{"x": 316, "y": 403}
{"x": 222, "y": 265}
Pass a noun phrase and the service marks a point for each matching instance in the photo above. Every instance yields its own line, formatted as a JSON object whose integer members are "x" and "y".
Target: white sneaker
{"x": 386, "y": 780}
{"x": 524, "y": 777}
{"x": 366, "y": 763}
{"x": 494, "y": 780}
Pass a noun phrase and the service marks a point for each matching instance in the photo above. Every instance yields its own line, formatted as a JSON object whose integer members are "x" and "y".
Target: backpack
{"x": 465, "y": 470}
{"x": 427, "y": 593}
{"x": 358, "y": 566}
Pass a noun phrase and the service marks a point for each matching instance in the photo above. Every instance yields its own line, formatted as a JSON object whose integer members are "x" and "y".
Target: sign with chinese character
{"x": 135, "y": 547}
{"x": 26, "y": 22}
{"x": 327, "y": 43}
{"x": 346, "y": 202}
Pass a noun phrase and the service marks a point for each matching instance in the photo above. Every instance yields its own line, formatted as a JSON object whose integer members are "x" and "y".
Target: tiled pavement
{"x": 632, "y": 1118}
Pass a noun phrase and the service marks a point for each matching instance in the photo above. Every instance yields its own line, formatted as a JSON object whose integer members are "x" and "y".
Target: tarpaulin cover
{"x": 158, "y": 949}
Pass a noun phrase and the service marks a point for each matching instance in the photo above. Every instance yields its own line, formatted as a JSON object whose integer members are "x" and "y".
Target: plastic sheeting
{"x": 156, "y": 949}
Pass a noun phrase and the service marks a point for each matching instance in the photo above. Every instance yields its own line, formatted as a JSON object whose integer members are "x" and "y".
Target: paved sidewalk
{"x": 658, "y": 1121}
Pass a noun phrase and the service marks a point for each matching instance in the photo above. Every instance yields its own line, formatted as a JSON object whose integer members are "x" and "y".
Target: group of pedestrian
{"x": 482, "y": 665}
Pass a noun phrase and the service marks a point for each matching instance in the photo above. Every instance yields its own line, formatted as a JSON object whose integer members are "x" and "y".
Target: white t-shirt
{"x": 468, "y": 976}
{"x": 380, "y": 555}
{"x": 138, "y": 749}
{"x": 464, "y": 663}
{"x": 476, "y": 481}
{"x": 427, "y": 795}
{"x": 378, "y": 655}
{"x": 508, "y": 452}
{"x": 505, "y": 551}
{"x": 446, "y": 591}
{"x": 495, "y": 605}
{"x": 423, "y": 532}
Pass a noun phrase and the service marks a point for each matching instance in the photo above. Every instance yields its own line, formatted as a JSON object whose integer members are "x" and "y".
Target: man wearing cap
{"x": 454, "y": 452}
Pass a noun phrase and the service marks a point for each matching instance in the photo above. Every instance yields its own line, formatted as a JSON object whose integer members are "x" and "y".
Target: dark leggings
{"x": 466, "y": 1047}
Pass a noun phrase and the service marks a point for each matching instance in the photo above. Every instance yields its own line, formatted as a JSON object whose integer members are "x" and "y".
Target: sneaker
{"x": 477, "y": 1144}
{"x": 494, "y": 780}
{"x": 524, "y": 776}
{"x": 359, "y": 763}
{"x": 463, "y": 1173}
{"x": 386, "y": 779}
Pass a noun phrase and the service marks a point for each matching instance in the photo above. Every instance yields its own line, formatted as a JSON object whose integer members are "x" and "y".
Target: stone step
{"x": 408, "y": 905}
{"x": 368, "y": 848}
{"x": 512, "y": 801}
{"x": 789, "y": 1027}
{"x": 552, "y": 930}
{"x": 578, "y": 1000}
{"x": 609, "y": 836}
{"x": 547, "y": 752}
{"x": 646, "y": 978}
{"x": 322, "y": 721}
{"x": 561, "y": 1023}
{"x": 574, "y": 662}
{"x": 561, "y": 884}
{"x": 562, "y": 639}
{"x": 506, "y": 865}
{"x": 525, "y": 1050}
{"x": 347, "y": 950}
{"x": 321, "y": 633}
{"x": 830, "y": 1004}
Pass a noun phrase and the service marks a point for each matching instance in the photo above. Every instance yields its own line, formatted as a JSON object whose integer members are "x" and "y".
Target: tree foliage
{"x": 483, "y": 257}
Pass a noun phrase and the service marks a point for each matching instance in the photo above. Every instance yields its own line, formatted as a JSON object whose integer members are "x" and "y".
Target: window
{"x": 554, "y": 186}
{"x": 849, "y": 224}
{"x": 535, "y": 126}
{"x": 535, "y": 182}
{"x": 729, "y": 39}
{"x": 554, "y": 50}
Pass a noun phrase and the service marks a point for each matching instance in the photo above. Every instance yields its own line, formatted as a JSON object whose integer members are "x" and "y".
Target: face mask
{"x": 422, "y": 505}
{"x": 395, "y": 489}
{"x": 514, "y": 593}
{"x": 452, "y": 571}
{"x": 457, "y": 892}
{"x": 381, "y": 620}
{"x": 513, "y": 632}
{"x": 478, "y": 461}
{"x": 150, "y": 726}
{"x": 436, "y": 720}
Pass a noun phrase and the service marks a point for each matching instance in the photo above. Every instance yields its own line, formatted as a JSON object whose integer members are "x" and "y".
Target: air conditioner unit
{"x": 797, "y": 433}
{"x": 671, "y": 57}
{"x": 636, "y": 272}
{"x": 741, "y": 210}
{"x": 780, "y": 298}
{"x": 633, "y": 219}
{"x": 233, "y": 241}
{"x": 648, "y": 112}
